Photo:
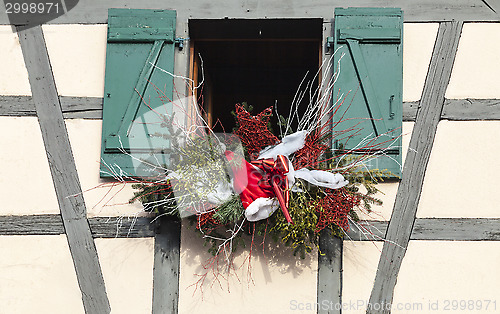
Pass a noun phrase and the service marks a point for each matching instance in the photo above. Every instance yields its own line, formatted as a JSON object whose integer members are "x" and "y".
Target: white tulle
{"x": 289, "y": 145}
{"x": 261, "y": 208}
{"x": 322, "y": 178}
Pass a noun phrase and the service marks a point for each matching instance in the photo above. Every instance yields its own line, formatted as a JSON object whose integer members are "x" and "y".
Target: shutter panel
{"x": 137, "y": 90}
{"x": 370, "y": 41}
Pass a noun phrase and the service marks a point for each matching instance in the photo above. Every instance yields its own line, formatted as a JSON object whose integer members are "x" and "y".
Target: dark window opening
{"x": 260, "y": 62}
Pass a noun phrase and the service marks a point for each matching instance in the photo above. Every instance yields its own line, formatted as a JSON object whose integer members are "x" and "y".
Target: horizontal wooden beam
{"x": 438, "y": 229}
{"x": 72, "y": 107}
{"x": 95, "y": 11}
{"x": 91, "y": 108}
{"x": 101, "y": 227}
{"x": 471, "y": 109}
{"x": 444, "y": 229}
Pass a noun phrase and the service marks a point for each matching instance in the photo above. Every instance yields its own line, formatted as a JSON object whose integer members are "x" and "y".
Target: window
{"x": 260, "y": 62}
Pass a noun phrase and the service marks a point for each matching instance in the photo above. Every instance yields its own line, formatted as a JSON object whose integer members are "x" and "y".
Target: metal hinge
{"x": 179, "y": 42}
{"x": 329, "y": 45}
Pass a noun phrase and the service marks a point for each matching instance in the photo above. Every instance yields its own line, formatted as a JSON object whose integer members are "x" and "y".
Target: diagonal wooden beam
{"x": 63, "y": 169}
{"x": 405, "y": 207}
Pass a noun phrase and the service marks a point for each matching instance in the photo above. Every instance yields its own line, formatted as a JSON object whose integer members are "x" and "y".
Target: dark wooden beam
{"x": 442, "y": 229}
{"x": 433, "y": 229}
{"x": 72, "y": 107}
{"x": 95, "y": 11}
{"x": 421, "y": 142}
{"x": 91, "y": 108}
{"x": 471, "y": 109}
{"x": 101, "y": 227}
{"x": 166, "y": 265}
{"x": 63, "y": 169}
{"x": 329, "y": 272}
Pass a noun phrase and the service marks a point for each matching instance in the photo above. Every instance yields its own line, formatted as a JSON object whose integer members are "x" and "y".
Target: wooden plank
{"x": 329, "y": 272}
{"x": 91, "y": 108}
{"x": 95, "y": 11}
{"x": 433, "y": 229}
{"x": 63, "y": 169}
{"x": 452, "y": 229}
{"x": 121, "y": 227}
{"x": 81, "y": 107}
{"x": 410, "y": 110}
{"x": 471, "y": 109}
{"x": 422, "y": 138}
{"x": 443, "y": 229}
{"x": 18, "y": 106}
{"x": 101, "y": 227}
{"x": 72, "y": 107}
{"x": 166, "y": 265}
{"x": 31, "y": 225}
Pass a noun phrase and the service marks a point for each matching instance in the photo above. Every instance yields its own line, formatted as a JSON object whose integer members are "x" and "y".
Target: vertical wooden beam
{"x": 422, "y": 138}
{"x": 329, "y": 273}
{"x": 329, "y": 282}
{"x": 63, "y": 170}
{"x": 166, "y": 265}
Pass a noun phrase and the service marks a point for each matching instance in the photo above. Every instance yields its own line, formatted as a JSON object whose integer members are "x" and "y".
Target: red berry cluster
{"x": 335, "y": 207}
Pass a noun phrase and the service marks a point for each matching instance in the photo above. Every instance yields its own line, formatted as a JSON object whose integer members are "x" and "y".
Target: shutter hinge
{"x": 329, "y": 45}
{"x": 179, "y": 42}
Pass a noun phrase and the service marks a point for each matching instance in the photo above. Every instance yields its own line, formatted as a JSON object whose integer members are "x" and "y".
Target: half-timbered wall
{"x": 451, "y": 124}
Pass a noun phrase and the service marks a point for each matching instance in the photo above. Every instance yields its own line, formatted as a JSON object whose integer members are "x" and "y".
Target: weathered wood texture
{"x": 101, "y": 227}
{"x": 421, "y": 142}
{"x": 166, "y": 266}
{"x": 63, "y": 169}
{"x": 329, "y": 272}
{"x": 95, "y": 11}
{"x": 471, "y": 109}
{"x": 91, "y": 108}
{"x": 123, "y": 227}
{"x": 72, "y": 107}
{"x": 435, "y": 229}
{"x": 445, "y": 229}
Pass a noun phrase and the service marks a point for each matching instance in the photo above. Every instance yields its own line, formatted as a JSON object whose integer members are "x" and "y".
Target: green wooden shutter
{"x": 137, "y": 90}
{"x": 369, "y": 41}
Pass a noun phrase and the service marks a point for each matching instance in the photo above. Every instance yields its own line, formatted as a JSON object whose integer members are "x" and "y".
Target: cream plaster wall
{"x": 127, "y": 266}
{"x": 37, "y": 276}
{"x": 277, "y": 279}
{"x": 77, "y": 55}
{"x": 462, "y": 174}
{"x": 477, "y": 64}
{"x": 418, "y": 42}
{"x": 25, "y": 182}
{"x": 103, "y": 197}
{"x": 14, "y": 78}
{"x": 360, "y": 261}
{"x": 431, "y": 271}
{"x": 444, "y": 270}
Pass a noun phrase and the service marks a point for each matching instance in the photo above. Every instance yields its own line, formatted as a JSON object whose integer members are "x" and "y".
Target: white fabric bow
{"x": 262, "y": 208}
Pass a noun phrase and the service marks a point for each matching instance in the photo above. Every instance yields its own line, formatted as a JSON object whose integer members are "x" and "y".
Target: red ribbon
{"x": 275, "y": 177}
